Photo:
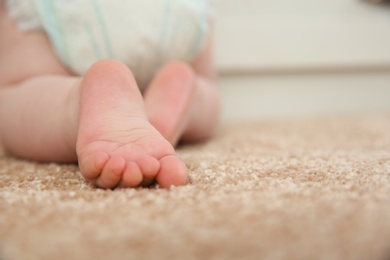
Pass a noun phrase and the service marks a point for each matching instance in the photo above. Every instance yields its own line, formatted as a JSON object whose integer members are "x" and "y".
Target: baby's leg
{"x": 116, "y": 145}
{"x": 39, "y": 118}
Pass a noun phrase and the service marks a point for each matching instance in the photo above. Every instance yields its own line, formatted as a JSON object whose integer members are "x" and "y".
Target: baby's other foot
{"x": 168, "y": 100}
{"x": 116, "y": 145}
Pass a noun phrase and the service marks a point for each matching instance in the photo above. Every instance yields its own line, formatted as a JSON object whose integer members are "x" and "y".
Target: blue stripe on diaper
{"x": 202, "y": 28}
{"x": 164, "y": 29}
{"x": 93, "y": 40}
{"x": 54, "y": 28}
{"x": 103, "y": 27}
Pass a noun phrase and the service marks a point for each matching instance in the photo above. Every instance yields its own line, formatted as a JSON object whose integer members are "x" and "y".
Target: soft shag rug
{"x": 308, "y": 189}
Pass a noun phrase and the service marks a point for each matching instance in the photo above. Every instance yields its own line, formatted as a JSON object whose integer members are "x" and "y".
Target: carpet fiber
{"x": 309, "y": 189}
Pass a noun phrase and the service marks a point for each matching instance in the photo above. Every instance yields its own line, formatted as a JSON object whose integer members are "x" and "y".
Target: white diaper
{"x": 143, "y": 34}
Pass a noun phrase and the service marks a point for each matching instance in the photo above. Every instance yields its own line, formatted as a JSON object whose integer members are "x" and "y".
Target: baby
{"x": 113, "y": 87}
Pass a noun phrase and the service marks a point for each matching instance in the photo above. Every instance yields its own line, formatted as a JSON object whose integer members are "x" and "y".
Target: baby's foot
{"x": 168, "y": 99}
{"x": 116, "y": 144}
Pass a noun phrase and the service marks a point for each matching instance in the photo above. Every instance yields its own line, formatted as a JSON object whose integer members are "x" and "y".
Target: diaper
{"x": 143, "y": 34}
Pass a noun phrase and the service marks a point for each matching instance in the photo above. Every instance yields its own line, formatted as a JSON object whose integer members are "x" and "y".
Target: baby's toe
{"x": 132, "y": 176}
{"x": 91, "y": 166}
{"x": 149, "y": 167}
{"x": 112, "y": 173}
{"x": 173, "y": 172}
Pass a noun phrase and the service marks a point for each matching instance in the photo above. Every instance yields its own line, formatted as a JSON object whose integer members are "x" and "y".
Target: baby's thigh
{"x": 24, "y": 54}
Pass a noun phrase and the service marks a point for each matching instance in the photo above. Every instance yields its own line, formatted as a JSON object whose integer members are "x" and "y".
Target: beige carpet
{"x": 310, "y": 189}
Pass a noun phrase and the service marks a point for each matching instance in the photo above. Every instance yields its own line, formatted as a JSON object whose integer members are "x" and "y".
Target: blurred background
{"x": 300, "y": 58}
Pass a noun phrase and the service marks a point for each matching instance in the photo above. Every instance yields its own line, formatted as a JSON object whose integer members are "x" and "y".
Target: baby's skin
{"x": 119, "y": 137}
